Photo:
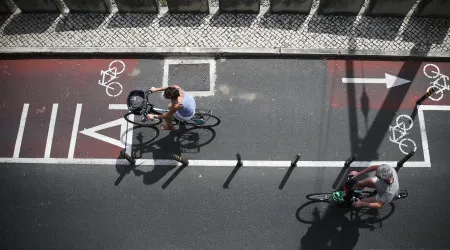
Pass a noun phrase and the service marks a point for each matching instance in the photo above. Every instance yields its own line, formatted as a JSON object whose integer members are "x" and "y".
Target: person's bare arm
{"x": 364, "y": 171}
{"x": 155, "y": 89}
{"x": 377, "y": 204}
{"x": 171, "y": 112}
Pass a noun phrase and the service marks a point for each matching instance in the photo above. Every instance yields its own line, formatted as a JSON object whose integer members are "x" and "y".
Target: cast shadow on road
{"x": 334, "y": 227}
{"x": 29, "y": 23}
{"x": 177, "y": 142}
{"x": 367, "y": 148}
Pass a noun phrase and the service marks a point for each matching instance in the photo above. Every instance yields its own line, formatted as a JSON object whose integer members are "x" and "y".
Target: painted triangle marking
{"x": 92, "y": 132}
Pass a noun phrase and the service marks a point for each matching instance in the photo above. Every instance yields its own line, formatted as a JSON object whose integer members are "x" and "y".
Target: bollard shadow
{"x": 231, "y": 176}
{"x": 182, "y": 20}
{"x": 233, "y": 20}
{"x": 131, "y": 20}
{"x": 365, "y": 107}
{"x": 80, "y": 21}
{"x": 286, "y": 21}
{"x": 286, "y": 177}
{"x": 27, "y": 23}
{"x": 338, "y": 25}
{"x": 173, "y": 176}
{"x": 122, "y": 170}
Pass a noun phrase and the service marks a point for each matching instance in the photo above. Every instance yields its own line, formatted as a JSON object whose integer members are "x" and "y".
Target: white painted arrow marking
{"x": 389, "y": 80}
{"x": 92, "y": 132}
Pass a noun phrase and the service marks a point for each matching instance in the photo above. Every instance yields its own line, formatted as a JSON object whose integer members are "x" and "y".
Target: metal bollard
{"x": 239, "y": 159}
{"x": 181, "y": 160}
{"x": 294, "y": 162}
{"x": 128, "y": 157}
{"x": 404, "y": 159}
{"x": 430, "y": 92}
{"x": 350, "y": 160}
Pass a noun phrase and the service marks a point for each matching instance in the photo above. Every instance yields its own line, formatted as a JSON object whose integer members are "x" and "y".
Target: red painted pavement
{"x": 42, "y": 82}
{"x": 377, "y": 93}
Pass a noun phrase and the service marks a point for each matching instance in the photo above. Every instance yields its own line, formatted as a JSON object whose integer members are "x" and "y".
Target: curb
{"x": 195, "y": 51}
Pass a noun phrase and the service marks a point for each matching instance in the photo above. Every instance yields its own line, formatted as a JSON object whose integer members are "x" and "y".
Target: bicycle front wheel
{"x": 140, "y": 120}
{"x": 319, "y": 197}
{"x": 407, "y": 145}
{"x": 118, "y": 65}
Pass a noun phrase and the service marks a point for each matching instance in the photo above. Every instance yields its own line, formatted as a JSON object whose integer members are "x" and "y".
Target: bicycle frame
{"x": 397, "y": 128}
{"x": 104, "y": 73}
{"x": 444, "y": 86}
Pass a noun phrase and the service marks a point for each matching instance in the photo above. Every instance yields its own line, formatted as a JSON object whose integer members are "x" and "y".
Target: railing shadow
{"x": 27, "y": 23}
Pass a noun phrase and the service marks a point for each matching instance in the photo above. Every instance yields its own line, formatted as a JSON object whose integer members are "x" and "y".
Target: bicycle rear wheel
{"x": 373, "y": 215}
{"x": 319, "y": 196}
{"x": 140, "y": 120}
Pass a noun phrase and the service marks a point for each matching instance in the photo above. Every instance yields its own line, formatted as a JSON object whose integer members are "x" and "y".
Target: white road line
{"x": 118, "y": 106}
{"x": 51, "y": 130}
{"x": 423, "y": 134}
{"x": 129, "y": 141}
{"x": 421, "y": 108}
{"x": 23, "y": 120}
{"x": 129, "y": 128}
{"x": 206, "y": 163}
{"x": 363, "y": 80}
{"x": 73, "y": 139}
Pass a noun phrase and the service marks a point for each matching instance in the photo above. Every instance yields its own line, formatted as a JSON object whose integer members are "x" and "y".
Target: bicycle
{"x": 432, "y": 71}
{"x": 403, "y": 124}
{"x": 351, "y": 195}
{"x": 115, "y": 68}
{"x": 139, "y": 107}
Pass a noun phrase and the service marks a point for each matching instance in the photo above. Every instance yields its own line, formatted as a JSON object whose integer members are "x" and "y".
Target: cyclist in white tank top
{"x": 182, "y": 105}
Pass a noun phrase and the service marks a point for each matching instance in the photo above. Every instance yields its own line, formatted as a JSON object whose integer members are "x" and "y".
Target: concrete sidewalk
{"x": 225, "y": 34}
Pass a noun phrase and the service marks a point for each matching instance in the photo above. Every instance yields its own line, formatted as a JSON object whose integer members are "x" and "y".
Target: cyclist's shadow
{"x": 333, "y": 231}
{"x": 336, "y": 227}
{"x": 174, "y": 142}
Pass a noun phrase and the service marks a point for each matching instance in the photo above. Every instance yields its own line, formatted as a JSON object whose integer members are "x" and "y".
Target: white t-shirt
{"x": 386, "y": 192}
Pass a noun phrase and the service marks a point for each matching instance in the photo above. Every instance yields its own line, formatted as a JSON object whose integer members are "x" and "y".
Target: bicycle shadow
{"x": 334, "y": 227}
{"x": 175, "y": 142}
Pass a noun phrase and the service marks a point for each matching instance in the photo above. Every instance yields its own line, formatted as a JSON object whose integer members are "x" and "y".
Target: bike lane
{"x": 42, "y": 83}
{"x": 270, "y": 110}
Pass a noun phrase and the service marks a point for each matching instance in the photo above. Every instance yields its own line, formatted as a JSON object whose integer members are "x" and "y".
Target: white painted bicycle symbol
{"x": 399, "y": 131}
{"x": 115, "y": 68}
{"x": 432, "y": 71}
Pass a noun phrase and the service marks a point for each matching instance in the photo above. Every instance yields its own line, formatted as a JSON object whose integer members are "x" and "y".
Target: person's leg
{"x": 370, "y": 199}
{"x": 365, "y": 183}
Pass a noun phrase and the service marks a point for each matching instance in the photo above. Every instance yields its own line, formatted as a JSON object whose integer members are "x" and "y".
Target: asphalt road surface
{"x": 64, "y": 185}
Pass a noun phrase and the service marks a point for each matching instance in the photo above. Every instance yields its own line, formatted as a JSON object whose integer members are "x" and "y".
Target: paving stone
{"x": 225, "y": 31}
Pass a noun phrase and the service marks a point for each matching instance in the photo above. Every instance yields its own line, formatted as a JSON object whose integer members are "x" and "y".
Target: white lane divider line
{"x": 118, "y": 106}
{"x": 73, "y": 138}
{"x": 129, "y": 128}
{"x": 23, "y": 120}
{"x": 208, "y": 163}
{"x": 423, "y": 132}
{"x": 51, "y": 130}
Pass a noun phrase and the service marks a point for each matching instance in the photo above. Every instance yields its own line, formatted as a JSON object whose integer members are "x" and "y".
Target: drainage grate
{"x": 190, "y": 77}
